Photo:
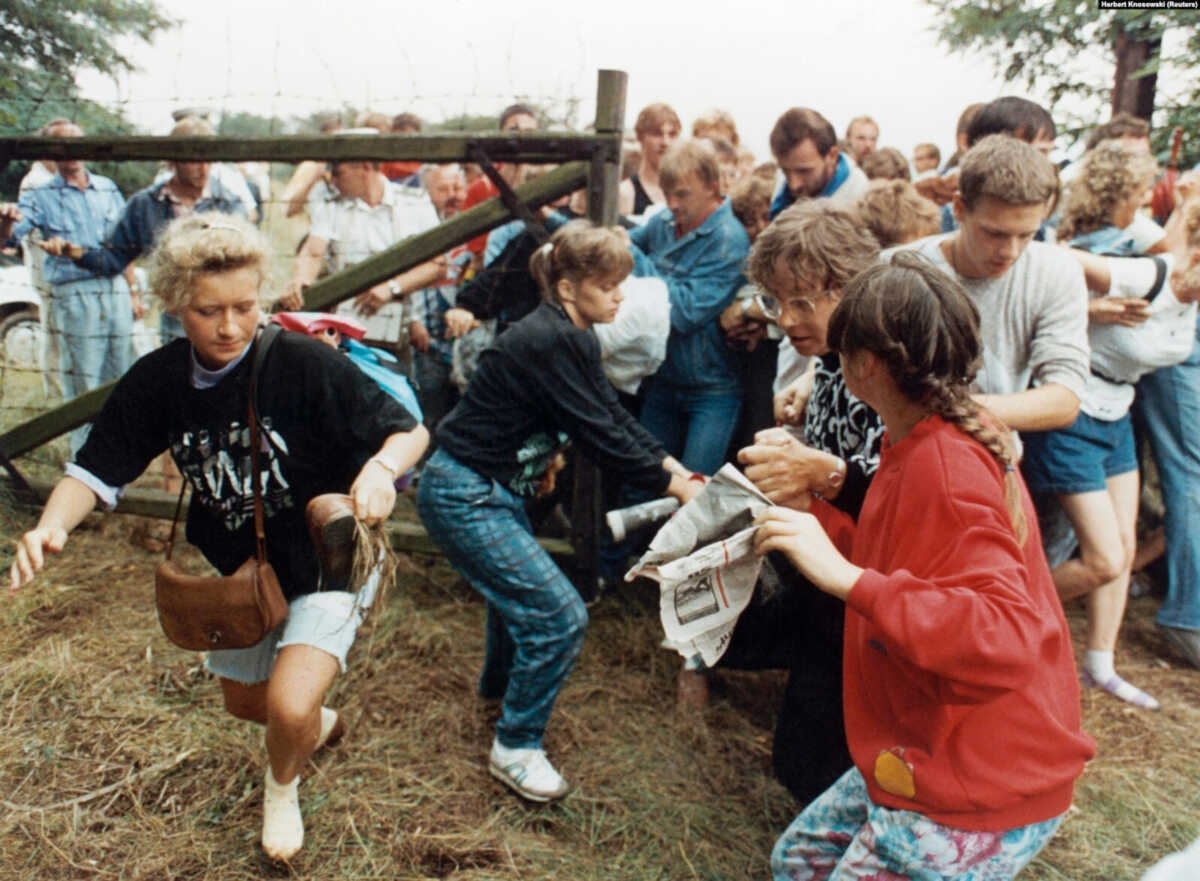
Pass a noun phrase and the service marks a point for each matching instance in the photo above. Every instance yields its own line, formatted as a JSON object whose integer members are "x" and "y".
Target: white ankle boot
{"x": 283, "y": 827}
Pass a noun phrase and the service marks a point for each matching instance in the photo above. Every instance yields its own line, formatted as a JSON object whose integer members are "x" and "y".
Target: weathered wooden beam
{"x": 604, "y": 175}
{"x": 406, "y": 535}
{"x": 532, "y": 147}
{"x": 47, "y": 426}
{"x": 533, "y": 226}
{"x": 461, "y": 228}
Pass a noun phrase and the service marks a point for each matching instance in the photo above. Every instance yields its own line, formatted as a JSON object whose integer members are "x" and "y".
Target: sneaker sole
{"x": 539, "y": 797}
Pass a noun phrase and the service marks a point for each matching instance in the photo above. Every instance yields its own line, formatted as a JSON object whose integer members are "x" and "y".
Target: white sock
{"x": 283, "y": 828}
{"x": 1100, "y": 665}
{"x": 328, "y": 720}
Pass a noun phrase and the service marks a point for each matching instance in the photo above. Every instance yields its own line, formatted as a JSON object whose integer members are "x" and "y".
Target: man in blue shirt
{"x": 93, "y": 310}
{"x": 697, "y": 246}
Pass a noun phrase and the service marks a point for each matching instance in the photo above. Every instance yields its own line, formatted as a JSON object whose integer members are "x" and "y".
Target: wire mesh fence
{"x": 48, "y": 357}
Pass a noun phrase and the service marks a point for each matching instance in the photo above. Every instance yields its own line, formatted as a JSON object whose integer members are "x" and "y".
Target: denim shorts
{"x": 327, "y": 620}
{"x": 1079, "y": 458}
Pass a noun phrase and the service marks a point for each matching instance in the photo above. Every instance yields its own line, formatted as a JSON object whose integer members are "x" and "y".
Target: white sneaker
{"x": 527, "y": 772}
{"x": 283, "y": 828}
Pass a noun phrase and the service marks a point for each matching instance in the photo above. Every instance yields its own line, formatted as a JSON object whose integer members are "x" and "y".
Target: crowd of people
{"x": 940, "y": 375}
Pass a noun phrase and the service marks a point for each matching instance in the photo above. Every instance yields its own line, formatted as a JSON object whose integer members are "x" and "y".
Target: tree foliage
{"x": 44, "y": 44}
{"x": 249, "y": 125}
{"x": 1056, "y": 45}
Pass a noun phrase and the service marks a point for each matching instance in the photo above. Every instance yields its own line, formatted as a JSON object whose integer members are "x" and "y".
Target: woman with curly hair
{"x": 1140, "y": 318}
{"x": 325, "y": 426}
{"x": 1101, "y": 204}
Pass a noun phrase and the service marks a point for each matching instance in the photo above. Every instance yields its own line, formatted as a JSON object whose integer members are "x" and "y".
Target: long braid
{"x": 923, "y": 326}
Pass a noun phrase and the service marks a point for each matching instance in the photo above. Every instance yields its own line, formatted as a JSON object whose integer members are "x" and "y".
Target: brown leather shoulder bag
{"x": 203, "y": 612}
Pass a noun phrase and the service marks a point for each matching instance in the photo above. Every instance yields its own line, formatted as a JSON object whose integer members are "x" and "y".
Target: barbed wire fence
{"x": 32, "y": 377}
{"x": 32, "y": 411}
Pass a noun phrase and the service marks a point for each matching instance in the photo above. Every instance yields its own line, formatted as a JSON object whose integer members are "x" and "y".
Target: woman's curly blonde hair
{"x": 1110, "y": 175}
{"x": 202, "y": 244}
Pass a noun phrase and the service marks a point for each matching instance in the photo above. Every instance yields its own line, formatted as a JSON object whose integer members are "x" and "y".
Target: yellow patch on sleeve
{"x": 895, "y": 775}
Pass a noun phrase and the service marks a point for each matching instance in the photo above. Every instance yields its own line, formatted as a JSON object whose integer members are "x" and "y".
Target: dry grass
{"x": 117, "y": 761}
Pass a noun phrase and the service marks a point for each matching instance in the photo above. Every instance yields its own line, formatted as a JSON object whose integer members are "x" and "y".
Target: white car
{"x": 22, "y": 334}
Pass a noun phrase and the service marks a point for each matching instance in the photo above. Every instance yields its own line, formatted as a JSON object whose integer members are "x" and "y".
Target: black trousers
{"x": 799, "y": 628}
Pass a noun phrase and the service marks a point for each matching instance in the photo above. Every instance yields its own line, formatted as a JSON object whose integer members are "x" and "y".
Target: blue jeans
{"x": 843, "y": 835}
{"x": 1168, "y": 402}
{"x": 694, "y": 426}
{"x": 95, "y": 319}
{"x": 536, "y": 619}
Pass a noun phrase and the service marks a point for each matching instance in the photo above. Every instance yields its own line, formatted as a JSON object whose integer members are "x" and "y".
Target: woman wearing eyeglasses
{"x": 802, "y": 261}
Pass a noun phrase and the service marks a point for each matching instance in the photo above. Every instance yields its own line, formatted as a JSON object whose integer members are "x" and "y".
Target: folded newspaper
{"x": 704, "y": 562}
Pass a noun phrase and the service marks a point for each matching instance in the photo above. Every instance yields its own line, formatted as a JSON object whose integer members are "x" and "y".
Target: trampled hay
{"x": 117, "y": 759}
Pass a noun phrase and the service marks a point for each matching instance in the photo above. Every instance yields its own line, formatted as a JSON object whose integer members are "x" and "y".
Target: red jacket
{"x": 958, "y": 661}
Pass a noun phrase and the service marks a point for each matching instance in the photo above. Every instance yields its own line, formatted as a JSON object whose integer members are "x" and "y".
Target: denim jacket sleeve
{"x": 702, "y": 270}
{"x": 129, "y": 239}
{"x": 31, "y": 217}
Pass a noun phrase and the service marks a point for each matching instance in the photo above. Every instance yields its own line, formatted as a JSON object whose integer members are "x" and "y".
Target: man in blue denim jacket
{"x": 697, "y": 246}
{"x": 92, "y": 310}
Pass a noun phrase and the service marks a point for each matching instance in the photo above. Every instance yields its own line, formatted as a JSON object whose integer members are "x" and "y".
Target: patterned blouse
{"x": 837, "y": 422}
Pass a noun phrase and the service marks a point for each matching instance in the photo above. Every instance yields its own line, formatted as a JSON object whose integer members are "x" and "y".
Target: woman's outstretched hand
{"x": 800, "y": 537}
{"x": 31, "y": 553}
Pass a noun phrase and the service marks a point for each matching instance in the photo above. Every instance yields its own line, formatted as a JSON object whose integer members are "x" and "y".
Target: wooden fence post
{"x": 587, "y": 508}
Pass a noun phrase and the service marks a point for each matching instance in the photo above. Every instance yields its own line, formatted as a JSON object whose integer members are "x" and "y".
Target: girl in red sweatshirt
{"x": 960, "y": 689}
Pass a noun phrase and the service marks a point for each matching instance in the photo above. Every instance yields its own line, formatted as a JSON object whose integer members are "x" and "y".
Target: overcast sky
{"x": 755, "y": 58}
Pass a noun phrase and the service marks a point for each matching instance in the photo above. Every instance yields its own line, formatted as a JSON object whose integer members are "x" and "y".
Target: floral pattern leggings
{"x": 843, "y": 835}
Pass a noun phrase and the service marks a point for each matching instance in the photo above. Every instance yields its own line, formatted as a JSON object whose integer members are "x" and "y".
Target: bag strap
{"x": 265, "y": 338}
{"x": 175, "y": 519}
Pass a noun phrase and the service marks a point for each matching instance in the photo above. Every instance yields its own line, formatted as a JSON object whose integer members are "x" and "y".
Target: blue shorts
{"x": 1079, "y": 458}
{"x": 327, "y": 620}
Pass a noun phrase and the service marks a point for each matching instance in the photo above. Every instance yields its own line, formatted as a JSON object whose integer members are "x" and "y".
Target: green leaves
{"x": 43, "y": 46}
{"x": 60, "y": 37}
{"x": 1055, "y": 44}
